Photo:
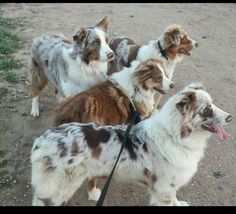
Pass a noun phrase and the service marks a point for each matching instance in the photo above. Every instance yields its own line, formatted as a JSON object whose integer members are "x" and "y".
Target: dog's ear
{"x": 103, "y": 23}
{"x": 196, "y": 86}
{"x": 174, "y": 35}
{"x": 188, "y": 102}
{"x": 80, "y": 35}
{"x": 143, "y": 71}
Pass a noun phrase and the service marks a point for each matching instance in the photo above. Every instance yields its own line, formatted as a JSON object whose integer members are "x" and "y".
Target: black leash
{"x": 163, "y": 52}
{"x": 136, "y": 119}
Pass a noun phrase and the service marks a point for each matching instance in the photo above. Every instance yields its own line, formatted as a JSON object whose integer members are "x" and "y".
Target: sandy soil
{"x": 213, "y": 63}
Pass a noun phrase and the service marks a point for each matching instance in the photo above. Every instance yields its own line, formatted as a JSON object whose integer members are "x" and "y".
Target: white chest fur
{"x": 80, "y": 75}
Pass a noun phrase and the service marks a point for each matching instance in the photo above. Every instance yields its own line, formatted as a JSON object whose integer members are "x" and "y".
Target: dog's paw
{"x": 94, "y": 194}
{"x": 183, "y": 203}
{"x": 35, "y": 112}
{"x": 35, "y": 107}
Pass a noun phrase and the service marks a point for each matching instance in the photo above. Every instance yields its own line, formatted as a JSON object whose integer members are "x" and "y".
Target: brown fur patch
{"x": 185, "y": 131}
{"x": 91, "y": 184}
{"x": 112, "y": 67}
{"x": 103, "y": 23}
{"x": 154, "y": 178}
{"x": 149, "y": 75}
{"x": 188, "y": 103}
{"x": 38, "y": 81}
{"x": 49, "y": 167}
{"x": 96, "y": 152}
{"x": 133, "y": 52}
{"x": 74, "y": 149}
{"x": 143, "y": 109}
{"x": 93, "y": 106}
{"x": 95, "y": 137}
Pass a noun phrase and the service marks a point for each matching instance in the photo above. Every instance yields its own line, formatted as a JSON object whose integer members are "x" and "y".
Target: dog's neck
{"x": 167, "y": 144}
{"x": 152, "y": 50}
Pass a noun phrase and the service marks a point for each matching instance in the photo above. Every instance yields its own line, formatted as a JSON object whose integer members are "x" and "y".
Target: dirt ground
{"x": 213, "y": 63}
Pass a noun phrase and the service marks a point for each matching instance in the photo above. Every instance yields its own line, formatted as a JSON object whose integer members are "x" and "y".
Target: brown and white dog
{"x": 72, "y": 68}
{"x": 170, "y": 47}
{"x": 108, "y": 103}
{"x": 162, "y": 152}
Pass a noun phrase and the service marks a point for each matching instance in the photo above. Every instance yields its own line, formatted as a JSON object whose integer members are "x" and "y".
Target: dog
{"x": 162, "y": 152}
{"x": 172, "y": 45}
{"x": 109, "y": 102}
{"x": 72, "y": 68}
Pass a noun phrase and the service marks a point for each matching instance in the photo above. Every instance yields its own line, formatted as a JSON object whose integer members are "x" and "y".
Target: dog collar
{"x": 135, "y": 114}
{"x": 162, "y": 51}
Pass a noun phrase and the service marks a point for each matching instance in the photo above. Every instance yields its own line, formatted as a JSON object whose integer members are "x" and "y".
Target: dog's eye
{"x": 159, "y": 78}
{"x": 207, "y": 112}
{"x": 96, "y": 42}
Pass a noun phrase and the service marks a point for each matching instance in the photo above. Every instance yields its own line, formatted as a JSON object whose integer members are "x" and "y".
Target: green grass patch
{"x": 9, "y": 44}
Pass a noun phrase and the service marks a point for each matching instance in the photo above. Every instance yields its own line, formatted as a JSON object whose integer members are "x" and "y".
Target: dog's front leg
{"x": 179, "y": 203}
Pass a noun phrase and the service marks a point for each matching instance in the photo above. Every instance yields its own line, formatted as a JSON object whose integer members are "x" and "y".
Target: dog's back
{"x": 103, "y": 104}
{"x": 41, "y": 52}
{"x": 126, "y": 51}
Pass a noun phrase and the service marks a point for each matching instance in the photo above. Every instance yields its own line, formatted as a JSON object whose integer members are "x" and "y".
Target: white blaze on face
{"x": 105, "y": 50}
{"x": 219, "y": 114}
{"x": 166, "y": 82}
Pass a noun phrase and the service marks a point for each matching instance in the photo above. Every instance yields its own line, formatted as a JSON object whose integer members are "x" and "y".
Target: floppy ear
{"x": 187, "y": 103}
{"x": 143, "y": 71}
{"x": 196, "y": 86}
{"x": 80, "y": 35}
{"x": 174, "y": 36}
{"x": 103, "y": 23}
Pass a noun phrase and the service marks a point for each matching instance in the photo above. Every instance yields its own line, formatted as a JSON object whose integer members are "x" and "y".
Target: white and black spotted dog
{"x": 72, "y": 68}
{"x": 162, "y": 152}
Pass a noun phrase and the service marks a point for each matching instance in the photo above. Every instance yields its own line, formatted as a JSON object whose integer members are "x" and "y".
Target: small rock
{"x": 204, "y": 37}
{"x": 23, "y": 114}
{"x": 218, "y": 174}
{"x": 131, "y": 16}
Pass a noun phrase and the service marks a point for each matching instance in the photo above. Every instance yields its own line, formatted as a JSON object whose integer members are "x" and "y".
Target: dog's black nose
{"x": 228, "y": 119}
{"x": 172, "y": 85}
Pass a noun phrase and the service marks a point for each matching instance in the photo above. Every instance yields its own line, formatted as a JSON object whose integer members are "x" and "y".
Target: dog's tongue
{"x": 221, "y": 133}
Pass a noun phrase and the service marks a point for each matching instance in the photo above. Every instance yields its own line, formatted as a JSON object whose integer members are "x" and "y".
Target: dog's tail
{"x": 62, "y": 37}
